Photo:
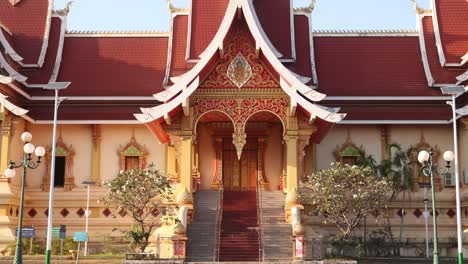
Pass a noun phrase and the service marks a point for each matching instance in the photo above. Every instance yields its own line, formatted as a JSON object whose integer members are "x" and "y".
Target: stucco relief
{"x": 239, "y": 110}
{"x": 240, "y": 66}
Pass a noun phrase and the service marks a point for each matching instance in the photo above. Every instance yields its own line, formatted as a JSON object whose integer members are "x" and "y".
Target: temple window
{"x": 63, "y": 176}
{"x": 132, "y": 156}
{"x": 419, "y": 179}
{"x": 59, "y": 176}
{"x": 348, "y": 153}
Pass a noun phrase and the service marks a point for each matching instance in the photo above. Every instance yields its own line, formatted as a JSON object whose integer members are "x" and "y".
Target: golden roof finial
{"x": 419, "y": 10}
{"x": 307, "y": 9}
{"x": 174, "y": 9}
{"x": 348, "y": 138}
{"x": 64, "y": 11}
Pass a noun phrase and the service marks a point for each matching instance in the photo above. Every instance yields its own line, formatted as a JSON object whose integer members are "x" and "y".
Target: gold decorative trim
{"x": 61, "y": 150}
{"x": 132, "y": 149}
{"x": 348, "y": 149}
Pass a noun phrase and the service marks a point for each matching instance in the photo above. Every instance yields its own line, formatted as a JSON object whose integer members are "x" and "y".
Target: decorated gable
{"x": 240, "y": 65}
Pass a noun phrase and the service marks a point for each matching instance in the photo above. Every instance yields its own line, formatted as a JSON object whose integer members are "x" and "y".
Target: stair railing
{"x": 261, "y": 252}
{"x": 219, "y": 218}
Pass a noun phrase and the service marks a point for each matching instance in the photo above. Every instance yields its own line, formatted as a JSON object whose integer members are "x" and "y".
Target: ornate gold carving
{"x": 61, "y": 150}
{"x": 293, "y": 198}
{"x": 179, "y": 229}
{"x": 217, "y": 182}
{"x": 257, "y": 76}
{"x": 240, "y": 109}
{"x": 298, "y": 230}
{"x": 185, "y": 198}
{"x": 419, "y": 178}
{"x": 262, "y": 179}
{"x": 176, "y": 142}
{"x": 239, "y": 139}
{"x": 239, "y": 71}
{"x": 96, "y": 154}
{"x": 348, "y": 152}
{"x": 132, "y": 149}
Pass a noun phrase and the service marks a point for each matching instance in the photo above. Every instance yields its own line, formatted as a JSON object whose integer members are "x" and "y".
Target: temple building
{"x": 239, "y": 95}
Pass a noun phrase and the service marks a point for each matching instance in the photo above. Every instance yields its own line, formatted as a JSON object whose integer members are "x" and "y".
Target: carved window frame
{"x": 132, "y": 149}
{"x": 61, "y": 150}
{"x": 348, "y": 150}
{"x": 412, "y": 154}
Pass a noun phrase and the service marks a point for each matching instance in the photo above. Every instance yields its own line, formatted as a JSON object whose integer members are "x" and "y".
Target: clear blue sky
{"x": 153, "y": 14}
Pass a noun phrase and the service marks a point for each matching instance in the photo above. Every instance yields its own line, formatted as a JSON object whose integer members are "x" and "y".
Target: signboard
{"x": 27, "y": 232}
{"x": 179, "y": 248}
{"x": 80, "y": 237}
{"x": 299, "y": 247}
{"x": 59, "y": 232}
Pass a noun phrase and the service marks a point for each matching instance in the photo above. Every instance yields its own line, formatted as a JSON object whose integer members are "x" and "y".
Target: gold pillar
{"x": 217, "y": 182}
{"x": 303, "y": 142}
{"x": 385, "y": 141}
{"x": 186, "y": 162}
{"x": 283, "y": 177}
{"x": 96, "y": 155}
{"x": 291, "y": 160}
{"x": 7, "y": 199}
{"x": 6, "y": 140}
{"x": 195, "y": 171}
{"x": 462, "y": 150}
{"x": 174, "y": 157}
{"x": 262, "y": 179}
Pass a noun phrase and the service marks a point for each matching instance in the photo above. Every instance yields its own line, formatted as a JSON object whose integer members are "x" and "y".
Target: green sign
{"x": 59, "y": 232}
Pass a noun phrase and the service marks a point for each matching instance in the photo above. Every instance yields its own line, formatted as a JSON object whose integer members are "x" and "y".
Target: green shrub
{"x": 68, "y": 244}
{"x": 35, "y": 248}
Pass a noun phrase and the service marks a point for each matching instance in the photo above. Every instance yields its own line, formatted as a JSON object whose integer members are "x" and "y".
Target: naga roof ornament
{"x": 14, "y": 2}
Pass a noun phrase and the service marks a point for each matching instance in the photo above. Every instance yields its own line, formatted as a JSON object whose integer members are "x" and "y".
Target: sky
{"x": 153, "y": 14}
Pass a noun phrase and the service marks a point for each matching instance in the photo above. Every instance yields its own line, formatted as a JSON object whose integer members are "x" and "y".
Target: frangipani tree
{"x": 345, "y": 195}
{"x": 139, "y": 193}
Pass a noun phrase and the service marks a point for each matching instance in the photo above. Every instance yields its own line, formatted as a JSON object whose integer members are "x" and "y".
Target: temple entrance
{"x": 240, "y": 175}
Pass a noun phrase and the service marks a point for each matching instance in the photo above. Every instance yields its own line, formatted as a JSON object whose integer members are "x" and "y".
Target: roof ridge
{"x": 358, "y": 31}
{"x": 113, "y": 32}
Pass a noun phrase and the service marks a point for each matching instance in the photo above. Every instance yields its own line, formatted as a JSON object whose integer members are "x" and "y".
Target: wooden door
{"x": 240, "y": 174}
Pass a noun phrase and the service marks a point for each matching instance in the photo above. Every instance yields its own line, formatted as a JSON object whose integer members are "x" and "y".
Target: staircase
{"x": 202, "y": 232}
{"x": 239, "y": 238}
{"x": 276, "y": 233}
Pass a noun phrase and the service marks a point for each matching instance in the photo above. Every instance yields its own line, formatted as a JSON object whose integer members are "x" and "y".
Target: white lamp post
{"x": 87, "y": 212}
{"x": 454, "y": 92}
{"x": 56, "y": 87}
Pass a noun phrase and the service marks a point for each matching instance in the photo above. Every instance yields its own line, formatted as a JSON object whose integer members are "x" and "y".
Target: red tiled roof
{"x": 70, "y": 112}
{"x": 42, "y": 75}
{"x": 452, "y": 16}
{"x": 113, "y": 66}
{"x": 370, "y": 66}
{"x": 8, "y": 36}
{"x": 397, "y": 112}
{"x": 275, "y": 18}
{"x": 27, "y": 22}
{"x": 179, "y": 45}
{"x": 206, "y": 19}
{"x": 440, "y": 74}
{"x": 302, "y": 66}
